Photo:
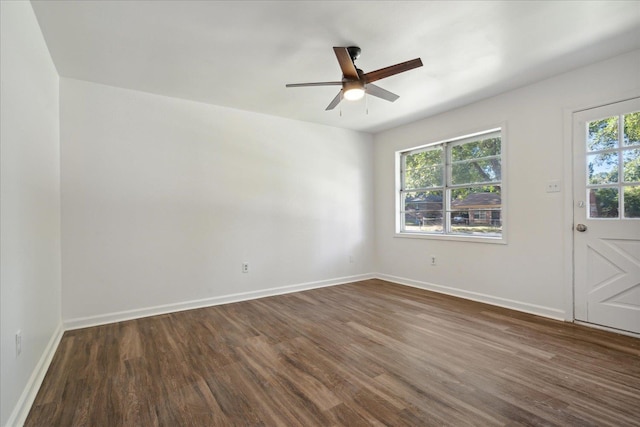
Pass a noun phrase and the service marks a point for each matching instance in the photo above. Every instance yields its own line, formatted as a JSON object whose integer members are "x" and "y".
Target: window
{"x": 613, "y": 167}
{"x": 452, "y": 188}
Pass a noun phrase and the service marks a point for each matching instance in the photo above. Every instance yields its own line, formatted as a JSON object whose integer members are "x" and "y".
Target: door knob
{"x": 581, "y": 228}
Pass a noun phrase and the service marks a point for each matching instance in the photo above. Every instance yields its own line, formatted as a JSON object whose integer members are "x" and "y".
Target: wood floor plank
{"x": 365, "y": 353}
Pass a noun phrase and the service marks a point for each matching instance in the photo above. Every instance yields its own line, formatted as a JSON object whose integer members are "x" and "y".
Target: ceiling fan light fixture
{"x": 353, "y": 91}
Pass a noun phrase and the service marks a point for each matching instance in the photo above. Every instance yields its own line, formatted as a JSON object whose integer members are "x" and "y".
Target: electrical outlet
{"x": 433, "y": 260}
{"x": 245, "y": 267}
{"x": 18, "y": 343}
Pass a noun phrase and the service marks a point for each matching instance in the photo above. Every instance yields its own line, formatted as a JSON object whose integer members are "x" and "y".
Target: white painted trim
{"x": 28, "y": 396}
{"x": 539, "y": 310}
{"x": 102, "y": 319}
{"x": 84, "y": 322}
{"x": 567, "y": 218}
{"x": 451, "y": 237}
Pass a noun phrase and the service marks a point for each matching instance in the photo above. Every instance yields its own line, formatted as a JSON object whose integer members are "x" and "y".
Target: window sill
{"x": 453, "y": 238}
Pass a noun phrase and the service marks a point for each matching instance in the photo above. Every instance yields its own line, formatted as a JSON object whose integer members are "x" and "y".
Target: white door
{"x": 606, "y": 160}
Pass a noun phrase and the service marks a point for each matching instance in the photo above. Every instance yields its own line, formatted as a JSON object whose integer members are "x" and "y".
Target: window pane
{"x": 632, "y": 202}
{"x": 476, "y": 211}
{"x": 603, "y": 203}
{"x": 476, "y": 162}
{"x": 475, "y": 171}
{"x": 423, "y": 211}
{"x": 603, "y": 134}
{"x": 424, "y": 169}
{"x": 631, "y": 166}
{"x": 632, "y": 128}
{"x": 476, "y": 150}
{"x": 602, "y": 168}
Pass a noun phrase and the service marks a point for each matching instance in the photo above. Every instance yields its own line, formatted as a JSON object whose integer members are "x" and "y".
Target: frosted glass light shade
{"x": 353, "y": 94}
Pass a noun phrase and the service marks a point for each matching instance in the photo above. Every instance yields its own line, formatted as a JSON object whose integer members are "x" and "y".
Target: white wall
{"x": 30, "y": 208}
{"x": 530, "y": 272}
{"x": 163, "y": 199}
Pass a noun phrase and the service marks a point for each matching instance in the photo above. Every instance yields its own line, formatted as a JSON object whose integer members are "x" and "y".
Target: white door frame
{"x": 568, "y": 204}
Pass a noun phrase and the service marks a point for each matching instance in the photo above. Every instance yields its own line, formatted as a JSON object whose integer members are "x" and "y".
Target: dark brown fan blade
{"x": 390, "y": 71}
{"x": 334, "y": 102}
{"x": 314, "y": 84}
{"x": 346, "y": 64}
{"x": 374, "y": 90}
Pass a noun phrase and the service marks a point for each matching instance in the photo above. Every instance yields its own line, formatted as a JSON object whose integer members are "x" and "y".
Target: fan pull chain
{"x": 366, "y": 104}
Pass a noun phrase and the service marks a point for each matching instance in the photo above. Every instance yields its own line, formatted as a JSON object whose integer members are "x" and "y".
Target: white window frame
{"x": 447, "y": 143}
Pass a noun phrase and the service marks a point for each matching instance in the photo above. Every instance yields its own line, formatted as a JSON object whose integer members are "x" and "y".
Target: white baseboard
{"x": 23, "y": 406}
{"x": 103, "y": 319}
{"x": 539, "y": 310}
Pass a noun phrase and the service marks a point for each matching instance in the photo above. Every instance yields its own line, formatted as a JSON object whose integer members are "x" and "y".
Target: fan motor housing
{"x": 354, "y": 52}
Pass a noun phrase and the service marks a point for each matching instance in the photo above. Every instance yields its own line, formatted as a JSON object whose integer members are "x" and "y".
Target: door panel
{"x": 606, "y": 186}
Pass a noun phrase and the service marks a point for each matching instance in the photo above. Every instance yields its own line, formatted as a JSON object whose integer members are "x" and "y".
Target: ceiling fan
{"x": 355, "y": 83}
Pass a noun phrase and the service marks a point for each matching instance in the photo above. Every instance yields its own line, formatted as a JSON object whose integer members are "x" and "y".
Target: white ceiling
{"x": 240, "y": 54}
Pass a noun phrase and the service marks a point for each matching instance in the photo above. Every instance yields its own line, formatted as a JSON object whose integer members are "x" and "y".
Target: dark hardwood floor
{"x": 367, "y": 353}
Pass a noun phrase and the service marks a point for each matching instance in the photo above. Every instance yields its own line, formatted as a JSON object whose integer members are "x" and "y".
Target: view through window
{"x": 453, "y": 187}
{"x": 613, "y": 167}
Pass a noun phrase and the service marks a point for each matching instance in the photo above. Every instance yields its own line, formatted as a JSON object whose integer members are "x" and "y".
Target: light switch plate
{"x": 553, "y": 186}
